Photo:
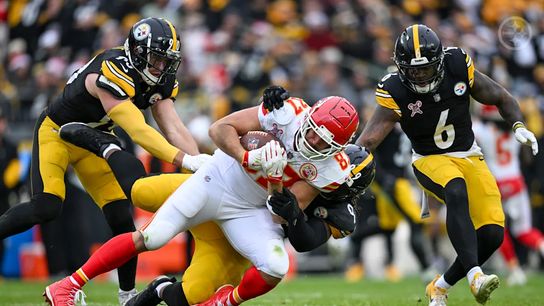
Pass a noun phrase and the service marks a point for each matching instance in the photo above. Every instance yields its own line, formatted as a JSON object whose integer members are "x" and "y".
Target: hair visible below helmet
{"x": 154, "y": 43}
{"x": 362, "y": 172}
{"x": 333, "y": 119}
{"x": 419, "y": 57}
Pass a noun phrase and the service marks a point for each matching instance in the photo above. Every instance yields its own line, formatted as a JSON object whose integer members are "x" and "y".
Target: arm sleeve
{"x": 306, "y": 235}
{"x": 131, "y": 119}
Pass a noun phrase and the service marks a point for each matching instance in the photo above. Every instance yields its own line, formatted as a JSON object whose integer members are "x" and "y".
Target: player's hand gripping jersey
{"x": 437, "y": 122}
{"x": 118, "y": 77}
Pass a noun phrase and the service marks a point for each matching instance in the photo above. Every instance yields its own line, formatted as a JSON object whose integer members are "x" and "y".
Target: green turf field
{"x": 311, "y": 290}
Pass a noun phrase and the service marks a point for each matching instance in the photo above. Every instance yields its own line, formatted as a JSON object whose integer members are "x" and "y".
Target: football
{"x": 255, "y": 139}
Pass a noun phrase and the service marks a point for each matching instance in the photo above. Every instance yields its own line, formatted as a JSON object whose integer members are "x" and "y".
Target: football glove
{"x": 285, "y": 205}
{"x": 274, "y": 96}
{"x": 273, "y": 160}
{"x": 252, "y": 159}
{"x": 524, "y": 136}
{"x": 193, "y": 162}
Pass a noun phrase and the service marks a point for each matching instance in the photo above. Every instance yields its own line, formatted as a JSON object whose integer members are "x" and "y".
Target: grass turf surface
{"x": 311, "y": 290}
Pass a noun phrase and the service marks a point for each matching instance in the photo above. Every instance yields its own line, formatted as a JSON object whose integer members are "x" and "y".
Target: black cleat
{"x": 148, "y": 296}
{"x": 86, "y": 137}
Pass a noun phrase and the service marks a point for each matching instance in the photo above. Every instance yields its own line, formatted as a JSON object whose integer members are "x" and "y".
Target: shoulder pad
{"x": 340, "y": 215}
{"x": 120, "y": 73}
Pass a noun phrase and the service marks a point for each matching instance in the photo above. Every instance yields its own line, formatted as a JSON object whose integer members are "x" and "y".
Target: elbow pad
{"x": 131, "y": 119}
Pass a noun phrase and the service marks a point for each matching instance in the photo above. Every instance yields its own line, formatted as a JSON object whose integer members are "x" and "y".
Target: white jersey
{"x": 501, "y": 151}
{"x": 326, "y": 175}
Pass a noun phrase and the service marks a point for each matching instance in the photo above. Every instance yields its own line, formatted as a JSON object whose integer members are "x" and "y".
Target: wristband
{"x": 245, "y": 159}
{"x": 517, "y": 125}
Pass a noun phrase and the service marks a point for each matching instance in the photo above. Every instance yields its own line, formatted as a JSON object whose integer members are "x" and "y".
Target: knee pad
{"x": 119, "y": 217}
{"x": 456, "y": 191}
{"x": 46, "y": 207}
{"x": 158, "y": 233}
{"x": 276, "y": 263}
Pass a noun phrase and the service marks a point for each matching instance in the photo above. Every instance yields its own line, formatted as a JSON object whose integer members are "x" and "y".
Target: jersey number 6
{"x": 441, "y": 127}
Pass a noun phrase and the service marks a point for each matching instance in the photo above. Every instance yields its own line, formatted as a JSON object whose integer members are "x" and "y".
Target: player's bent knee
{"x": 118, "y": 216}
{"x": 157, "y": 234}
{"x": 277, "y": 260}
{"x": 47, "y": 206}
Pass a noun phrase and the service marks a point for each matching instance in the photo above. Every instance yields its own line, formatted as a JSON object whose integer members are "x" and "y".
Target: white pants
{"x": 212, "y": 194}
{"x": 518, "y": 209}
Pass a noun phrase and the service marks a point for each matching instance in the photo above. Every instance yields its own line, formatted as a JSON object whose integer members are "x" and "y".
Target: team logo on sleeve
{"x": 460, "y": 88}
{"x": 308, "y": 171}
{"x": 321, "y": 212}
{"x": 155, "y": 98}
{"x": 415, "y": 108}
{"x": 142, "y": 31}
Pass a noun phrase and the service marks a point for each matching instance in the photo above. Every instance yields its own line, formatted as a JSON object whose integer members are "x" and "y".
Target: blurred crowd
{"x": 233, "y": 49}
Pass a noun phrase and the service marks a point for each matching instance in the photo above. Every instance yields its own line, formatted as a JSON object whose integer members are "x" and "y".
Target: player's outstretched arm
{"x": 378, "y": 127}
{"x": 487, "y": 91}
{"x": 131, "y": 119}
{"x": 172, "y": 127}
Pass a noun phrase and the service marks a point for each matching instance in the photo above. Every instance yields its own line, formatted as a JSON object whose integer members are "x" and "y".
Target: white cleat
{"x": 483, "y": 285}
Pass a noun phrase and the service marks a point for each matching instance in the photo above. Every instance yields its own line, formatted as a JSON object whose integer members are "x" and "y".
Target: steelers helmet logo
{"x": 308, "y": 171}
{"x": 154, "y": 98}
{"x": 460, "y": 88}
{"x": 142, "y": 31}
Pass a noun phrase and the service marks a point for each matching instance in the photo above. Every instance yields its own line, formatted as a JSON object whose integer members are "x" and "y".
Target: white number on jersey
{"x": 442, "y": 127}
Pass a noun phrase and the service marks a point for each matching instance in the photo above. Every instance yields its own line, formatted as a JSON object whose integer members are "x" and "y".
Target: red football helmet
{"x": 333, "y": 119}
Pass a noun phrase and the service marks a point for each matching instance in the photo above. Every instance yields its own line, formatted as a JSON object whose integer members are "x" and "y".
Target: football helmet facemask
{"x": 333, "y": 119}
{"x": 362, "y": 172}
{"x": 153, "y": 49}
{"x": 419, "y": 57}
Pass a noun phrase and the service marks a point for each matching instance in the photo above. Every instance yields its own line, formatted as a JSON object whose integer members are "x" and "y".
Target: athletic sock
{"x": 251, "y": 286}
{"x": 109, "y": 256}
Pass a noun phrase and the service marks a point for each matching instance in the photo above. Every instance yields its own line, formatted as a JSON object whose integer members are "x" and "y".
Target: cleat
{"x": 148, "y": 296}
{"x": 437, "y": 296}
{"x": 220, "y": 298}
{"x": 124, "y": 296}
{"x": 483, "y": 285}
{"x": 516, "y": 278}
{"x": 354, "y": 273}
{"x": 392, "y": 274}
{"x": 64, "y": 293}
{"x": 84, "y": 136}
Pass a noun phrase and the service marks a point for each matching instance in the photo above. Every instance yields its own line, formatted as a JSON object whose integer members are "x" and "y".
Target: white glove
{"x": 273, "y": 160}
{"x": 193, "y": 162}
{"x": 252, "y": 159}
{"x": 526, "y": 137}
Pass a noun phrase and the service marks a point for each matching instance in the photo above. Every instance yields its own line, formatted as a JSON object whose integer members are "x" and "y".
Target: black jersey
{"x": 393, "y": 155}
{"x": 438, "y": 122}
{"x": 341, "y": 216}
{"x": 117, "y": 76}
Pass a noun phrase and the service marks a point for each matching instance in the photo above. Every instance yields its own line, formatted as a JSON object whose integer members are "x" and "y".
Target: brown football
{"x": 255, "y": 139}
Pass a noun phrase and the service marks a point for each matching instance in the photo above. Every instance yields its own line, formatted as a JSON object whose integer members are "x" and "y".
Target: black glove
{"x": 274, "y": 96}
{"x": 285, "y": 205}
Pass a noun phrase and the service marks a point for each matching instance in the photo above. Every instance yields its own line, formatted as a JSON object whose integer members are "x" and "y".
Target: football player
{"x": 215, "y": 262}
{"x": 109, "y": 90}
{"x": 502, "y": 155}
{"x": 430, "y": 96}
{"x": 314, "y": 139}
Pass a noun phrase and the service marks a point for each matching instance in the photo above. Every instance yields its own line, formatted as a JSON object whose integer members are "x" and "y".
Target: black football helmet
{"x": 362, "y": 172}
{"x": 153, "y": 49}
{"x": 419, "y": 57}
